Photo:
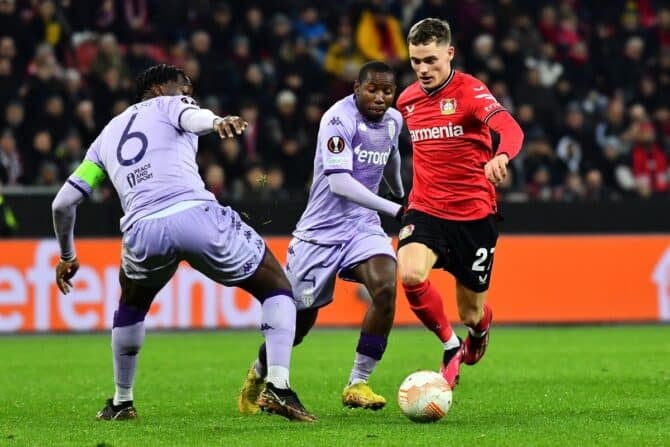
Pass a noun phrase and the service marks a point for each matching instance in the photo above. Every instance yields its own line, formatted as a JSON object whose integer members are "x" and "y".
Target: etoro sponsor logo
{"x": 371, "y": 157}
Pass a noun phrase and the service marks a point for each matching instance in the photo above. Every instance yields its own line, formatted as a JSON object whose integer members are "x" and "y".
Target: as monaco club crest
{"x": 448, "y": 106}
{"x": 335, "y": 145}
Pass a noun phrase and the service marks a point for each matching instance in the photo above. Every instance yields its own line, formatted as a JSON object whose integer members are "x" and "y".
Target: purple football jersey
{"x": 149, "y": 158}
{"x": 347, "y": 142}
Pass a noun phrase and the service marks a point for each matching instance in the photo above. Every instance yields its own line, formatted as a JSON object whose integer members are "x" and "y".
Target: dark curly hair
{"x": 373, "y": 66}
{"x": 156, "y": 75}
{"x": 429, "y": 30}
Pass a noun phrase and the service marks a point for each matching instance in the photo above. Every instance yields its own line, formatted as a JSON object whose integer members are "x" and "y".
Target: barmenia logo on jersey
{"x": 436, "y": 132}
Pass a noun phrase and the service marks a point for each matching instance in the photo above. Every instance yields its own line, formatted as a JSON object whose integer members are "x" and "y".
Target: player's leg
{"x": 278, "y": 324}
{"x": 146, "y": 267}
{"x": 421, "y": 245}
{"x": 474, "y": 247}
{"x": 378, "y": 274}
{"x": 254, "y": 382}
{"x": 230, "y": 252}
{"x": 477, "y": 316}
{"x": 311, "y": 271}
{"x": 127, "y": 340}
{"x": 304, "y": 322}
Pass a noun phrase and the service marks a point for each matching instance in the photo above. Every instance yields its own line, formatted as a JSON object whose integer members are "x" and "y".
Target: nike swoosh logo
{"x": 478, "y": 89}
{"x": 279, "y": 399}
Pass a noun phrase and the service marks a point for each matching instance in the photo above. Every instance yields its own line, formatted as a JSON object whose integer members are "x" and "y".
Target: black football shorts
{"x": 464, "y": 248}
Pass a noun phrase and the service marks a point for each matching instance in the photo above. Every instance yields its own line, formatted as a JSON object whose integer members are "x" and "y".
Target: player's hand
{"x": 496, "y": 169}
{"x": 229, "y": 126}
{"x": 65, "y": 270}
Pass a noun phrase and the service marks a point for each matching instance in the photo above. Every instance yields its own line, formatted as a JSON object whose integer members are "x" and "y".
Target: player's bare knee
{"x": 413, "y": 276}
{"x": 383, "y": 297}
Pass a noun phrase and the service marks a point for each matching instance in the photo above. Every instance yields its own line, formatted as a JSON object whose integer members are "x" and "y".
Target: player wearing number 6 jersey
{"x": 451, "y": 217}
{"x": 148, "y": 152}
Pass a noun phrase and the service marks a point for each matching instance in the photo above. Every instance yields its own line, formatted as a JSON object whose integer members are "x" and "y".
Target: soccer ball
{"x": 424, "y": 396}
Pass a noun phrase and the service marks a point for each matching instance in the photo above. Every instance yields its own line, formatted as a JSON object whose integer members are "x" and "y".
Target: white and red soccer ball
{"x": 424, "y": 396}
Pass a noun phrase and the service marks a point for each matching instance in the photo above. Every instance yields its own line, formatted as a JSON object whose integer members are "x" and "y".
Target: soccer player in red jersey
{"x": 451, "y": 218}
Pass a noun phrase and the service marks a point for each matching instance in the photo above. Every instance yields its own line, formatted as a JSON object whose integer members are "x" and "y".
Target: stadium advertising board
{"x": 557, "y": 279}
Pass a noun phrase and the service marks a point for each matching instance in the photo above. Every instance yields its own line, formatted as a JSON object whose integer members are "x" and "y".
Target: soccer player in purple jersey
{"x": 340, "y": 233}
{"x": 149, "y": 154}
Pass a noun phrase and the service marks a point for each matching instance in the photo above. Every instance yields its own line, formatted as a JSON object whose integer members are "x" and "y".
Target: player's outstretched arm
{"x": 344, "y": 185}
{"x": 88, "y": 176}
{"x": 204, "y": 121}
{"x": 64, "y": 210}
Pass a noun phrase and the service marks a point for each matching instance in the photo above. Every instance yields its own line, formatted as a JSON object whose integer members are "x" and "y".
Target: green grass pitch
{"x": 536, "y": 386}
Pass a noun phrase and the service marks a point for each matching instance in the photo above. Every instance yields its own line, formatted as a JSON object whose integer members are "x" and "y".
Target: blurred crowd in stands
{"x": 589, "y": 81}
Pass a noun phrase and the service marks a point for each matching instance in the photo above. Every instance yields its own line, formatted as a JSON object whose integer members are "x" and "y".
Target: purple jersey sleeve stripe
{"x": 335, "y": 171}
{"x": 78, "y": 188}
{"x": 181, "y": 113}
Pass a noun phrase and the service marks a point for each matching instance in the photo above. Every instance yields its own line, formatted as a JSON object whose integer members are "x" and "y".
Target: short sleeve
{"x": 334, "y": 142}
{"x": 175, "y": 106}
{"x": 93, "y": 153}
{"x": 482, "y": 103}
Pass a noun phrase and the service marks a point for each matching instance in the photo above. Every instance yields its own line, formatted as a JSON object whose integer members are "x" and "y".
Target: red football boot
{"x": 451, "y": 364}
{"x": 475, "y": 347}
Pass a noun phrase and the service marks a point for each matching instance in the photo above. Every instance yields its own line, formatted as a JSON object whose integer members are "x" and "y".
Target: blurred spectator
{"x": 379, "y": 36}
{"x": 84, "y": 121}
{"x": 595, "y": 188}
{"x": 54, "y": 116}
{"x": 343, "y": 55}
{"x": 138, "y": 58}
{"x": 109, "y": 56}
{"x": 215, "y": 181}
{"x": 38, "y": 156}
{"x": 575, "y": 146}
{"x": 50, "y": 26}
{"x": 585, "y": 79}
{"x": 650, "y": 163}
{"x": 232, "y": 159}
{"x": 69, "y": 153}
{"x": 220, "y": 27}
{"x": 15, "y": 119}
{"x": 574, "y": 188}
{"x": 310, "y": 28}
{"x": 10, "y": 163}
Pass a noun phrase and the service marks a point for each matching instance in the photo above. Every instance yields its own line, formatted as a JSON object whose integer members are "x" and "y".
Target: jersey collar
{"x": 441, "y": 87}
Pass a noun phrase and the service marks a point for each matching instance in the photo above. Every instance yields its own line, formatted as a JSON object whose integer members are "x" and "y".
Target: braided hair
{"x": 156, "y": 75}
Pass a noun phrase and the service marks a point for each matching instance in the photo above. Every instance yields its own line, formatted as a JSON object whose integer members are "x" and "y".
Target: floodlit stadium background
{"x": 586, "y": 230}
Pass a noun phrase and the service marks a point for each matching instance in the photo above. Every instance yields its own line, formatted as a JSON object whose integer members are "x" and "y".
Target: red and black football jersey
{"x": 451, "y": 144}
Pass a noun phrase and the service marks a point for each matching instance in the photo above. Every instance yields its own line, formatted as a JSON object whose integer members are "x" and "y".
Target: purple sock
{"x": 369, "y": 351}
{"x": 127, "y": 316}
{"x": 127, "y": 339}
{"x": 371, "y": 345}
